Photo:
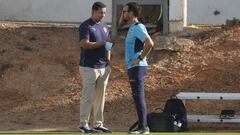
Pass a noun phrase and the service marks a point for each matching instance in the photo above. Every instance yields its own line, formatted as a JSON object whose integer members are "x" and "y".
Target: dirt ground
{"x": 40, "y": 86}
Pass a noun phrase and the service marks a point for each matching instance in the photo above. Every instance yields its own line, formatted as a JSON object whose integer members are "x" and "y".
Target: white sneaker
{"x": 140, "y": 131}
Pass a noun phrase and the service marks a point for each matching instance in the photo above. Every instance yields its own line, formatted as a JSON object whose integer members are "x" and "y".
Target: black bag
{"x": 172, "y": 119}
{"x": 161, "y": 122}
{"x": 176, "y": 108}
{"x": 227, "y": 114}
{"x": 158, "y": 122}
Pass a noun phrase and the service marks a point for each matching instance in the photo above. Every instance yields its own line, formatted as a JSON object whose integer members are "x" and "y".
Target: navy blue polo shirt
{"x": 90, "y": 30}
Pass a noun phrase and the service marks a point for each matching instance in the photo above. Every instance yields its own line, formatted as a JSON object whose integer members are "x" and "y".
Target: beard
{"x": 99, "y": 19}
{"x": 125, "y": 20}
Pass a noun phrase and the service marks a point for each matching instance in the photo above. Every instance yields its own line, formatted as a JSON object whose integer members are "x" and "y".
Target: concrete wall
{"x": 176, "y": 10}
{"x": 199, "y": 11}
{"x": 176, "y": 15}
{"x": 71, "y": 11}
{"x": 63, "y": 10}
{"x": 202, "y": 11}
{"x": 49, "y": 10}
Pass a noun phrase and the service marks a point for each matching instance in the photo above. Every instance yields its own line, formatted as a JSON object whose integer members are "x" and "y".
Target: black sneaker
{"x": 140, "y": 131}
{"x": 103, "y": 129}
{"x": 89, "y": 130}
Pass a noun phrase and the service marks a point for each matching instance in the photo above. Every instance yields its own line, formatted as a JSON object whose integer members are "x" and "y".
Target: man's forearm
{"x": 147, "y": 48}
{"x": 91, "y": 45}
{"x": 121, "y": 22}
{"x": 146, "y": 51}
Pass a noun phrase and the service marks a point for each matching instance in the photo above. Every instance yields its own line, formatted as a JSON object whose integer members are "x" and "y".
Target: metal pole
{"x": 114, "y": 21}
{"x": 165, "y": 16}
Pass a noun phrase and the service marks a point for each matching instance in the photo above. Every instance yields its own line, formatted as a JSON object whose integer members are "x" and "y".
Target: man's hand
{"x": 121, "y": 22}
{"x": 85, "y": 44}
{"x": 101, "y": 43}
{"x": 121, "y": 18}
{"x": 135, "y": 61}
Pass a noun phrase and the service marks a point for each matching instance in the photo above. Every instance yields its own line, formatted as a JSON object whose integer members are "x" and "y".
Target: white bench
{"x": 209, "y": 96}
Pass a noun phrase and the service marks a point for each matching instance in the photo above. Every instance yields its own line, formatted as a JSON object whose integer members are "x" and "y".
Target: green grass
{"x": 117, "y": 133}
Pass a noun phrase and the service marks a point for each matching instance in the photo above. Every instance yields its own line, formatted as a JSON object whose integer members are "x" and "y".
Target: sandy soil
{"x": 40, "y": 85}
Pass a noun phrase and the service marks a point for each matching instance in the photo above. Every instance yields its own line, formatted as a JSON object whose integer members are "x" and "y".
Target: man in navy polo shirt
{"x": 94, "y": 69}
{"x": 138, "y": 44}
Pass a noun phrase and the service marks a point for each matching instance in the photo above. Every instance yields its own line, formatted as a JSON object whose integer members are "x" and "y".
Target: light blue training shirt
{"x": 134, "y": 44}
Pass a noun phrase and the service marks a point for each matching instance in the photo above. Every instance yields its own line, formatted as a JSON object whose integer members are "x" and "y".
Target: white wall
{"x": 199, "y": 11}
{"x": 176, "y": 15}
{"x": 202, "y": 11}
{"x": 176, "y": 10}
{"x": 50, "y": 10}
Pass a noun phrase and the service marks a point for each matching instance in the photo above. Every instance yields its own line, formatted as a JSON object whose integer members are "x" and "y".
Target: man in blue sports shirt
{"x": 138, "y": 44}
{"x": 94, "y": 69}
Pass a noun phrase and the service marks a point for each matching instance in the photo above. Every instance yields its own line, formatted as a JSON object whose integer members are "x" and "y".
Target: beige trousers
{"x": 94, "y": 83}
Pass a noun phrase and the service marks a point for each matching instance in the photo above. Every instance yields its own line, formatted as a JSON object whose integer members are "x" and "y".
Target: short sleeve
{"x": 83, "y": 32}
{"x": 141, "y": 32}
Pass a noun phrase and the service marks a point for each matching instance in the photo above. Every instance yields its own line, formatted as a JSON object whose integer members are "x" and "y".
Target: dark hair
{"x": 98, "y": 5}
{"x": 135, "y": 8}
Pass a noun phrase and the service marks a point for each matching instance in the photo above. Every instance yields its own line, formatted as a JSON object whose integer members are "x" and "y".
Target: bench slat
{"x": 211, "y": 118}
{"x": 201, "y": 95}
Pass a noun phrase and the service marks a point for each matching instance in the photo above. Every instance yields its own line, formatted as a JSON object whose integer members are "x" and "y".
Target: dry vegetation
{"x": 40, "y": 85}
